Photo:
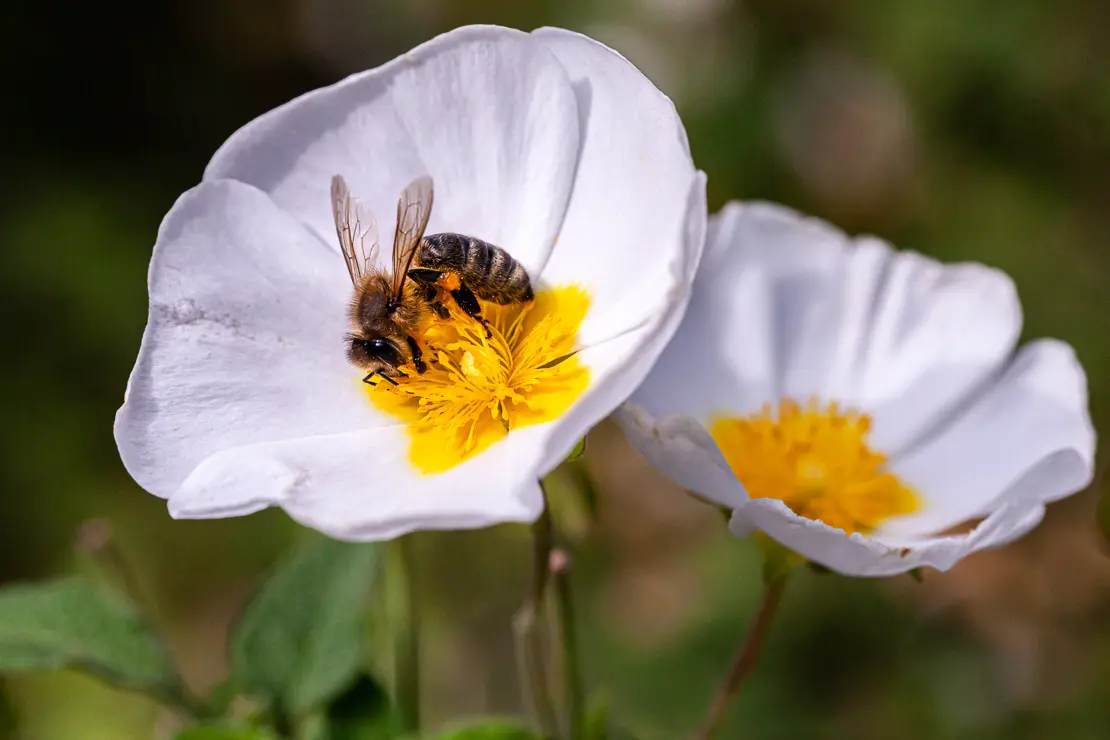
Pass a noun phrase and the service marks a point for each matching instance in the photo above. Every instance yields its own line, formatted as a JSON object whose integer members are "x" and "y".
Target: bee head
{"x": 372, "y": 306}
{"x": 375, "y": 353}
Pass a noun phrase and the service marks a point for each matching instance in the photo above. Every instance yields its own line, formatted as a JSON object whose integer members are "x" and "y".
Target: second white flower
{"x": 857, "y": 404}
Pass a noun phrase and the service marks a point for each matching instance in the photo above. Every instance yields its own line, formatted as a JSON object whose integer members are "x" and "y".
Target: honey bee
{"x": 388, "y": 309}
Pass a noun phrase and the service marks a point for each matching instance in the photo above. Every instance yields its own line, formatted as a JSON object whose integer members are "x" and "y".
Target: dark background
{"x": 967, "y": 129}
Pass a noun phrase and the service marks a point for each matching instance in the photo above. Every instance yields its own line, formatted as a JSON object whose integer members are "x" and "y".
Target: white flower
{"x": 547, "y": 144}
{"x": 821, "y": 385}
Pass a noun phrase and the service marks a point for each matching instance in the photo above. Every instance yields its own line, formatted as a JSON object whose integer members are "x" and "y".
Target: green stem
{"x": 181, "y": 701}
{"x": 96, "y": 539}
{"x": 531, "y": 624}
{"x": 572, "y": 668}
{"x": 406, "y": 633}
{"x": 747, "y": 656}
{"x": 543, "y": 541}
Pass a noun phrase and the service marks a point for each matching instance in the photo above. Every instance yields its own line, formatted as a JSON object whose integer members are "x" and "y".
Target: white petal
{"x": 926, "y": 337}
{"x": 762, "y": 322}
{"x": 682, "y": 448}
{"x": 620, "y": 364}
{"x": 1029, "y": 436}
{"x": 487, "y": 111}
{"x": 716, "y": 363}
{"x": 857, "y": 555}
{"x": 623, "y": 232}
{"x": 361, "y": 486}
{"x": 244, "y": 338}
{"x": 759, "y": 307}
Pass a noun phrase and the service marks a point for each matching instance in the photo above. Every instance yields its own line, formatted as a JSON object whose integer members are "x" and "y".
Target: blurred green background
{"x": 967, "y": 129}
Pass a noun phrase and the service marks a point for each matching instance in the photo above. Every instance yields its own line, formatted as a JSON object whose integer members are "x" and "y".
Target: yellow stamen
{"x": 476, "y": 389}
{"x": 816, "y": 461}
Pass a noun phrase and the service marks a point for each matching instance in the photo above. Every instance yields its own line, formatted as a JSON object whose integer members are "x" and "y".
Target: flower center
{"x": 476, "y": 389}
{"x": 817, "y": 462}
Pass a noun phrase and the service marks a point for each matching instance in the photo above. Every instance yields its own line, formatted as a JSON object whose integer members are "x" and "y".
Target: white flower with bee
{"x": 866, "y": 408}
{"x": 549, "y": 225}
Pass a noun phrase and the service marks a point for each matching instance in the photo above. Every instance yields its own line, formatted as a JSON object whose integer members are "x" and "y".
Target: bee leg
{"x": 379, "y": 374}
{"x": 468, "y": 302}
{"x": 424, "y": 276}
{"x": 417, "y": 355}
{"x": 427, "y": 291}
{"x": 427, "y": 279}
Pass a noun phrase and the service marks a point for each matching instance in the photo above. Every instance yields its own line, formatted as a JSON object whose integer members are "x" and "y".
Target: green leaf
{"x": 578, "y": 451}
{"x": 587, "y": 489}
{"x": 599, "y": 724}
{"x": 491, "y": 729}
{"x": 299, "y": 641}
{"x": 221, "y": 696}
{"x": 71, "y": 623}
{"x": 223, "y": 733}
{"x": 597, "y": 719}
{"x": 363, "y": 712}
{"x": 8, "y": 716}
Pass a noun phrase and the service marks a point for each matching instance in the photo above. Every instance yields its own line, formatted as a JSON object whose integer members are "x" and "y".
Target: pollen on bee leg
{"x": 476, "y": 388}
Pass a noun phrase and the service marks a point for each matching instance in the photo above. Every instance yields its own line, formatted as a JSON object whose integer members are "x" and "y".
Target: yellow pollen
{"x": 478, "y": 388}
{"x": 816, "y": 461}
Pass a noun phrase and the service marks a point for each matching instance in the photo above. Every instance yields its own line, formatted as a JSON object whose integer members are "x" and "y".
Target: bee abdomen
{"x": 443, "y": 251}
{"x": 486, "y": 269}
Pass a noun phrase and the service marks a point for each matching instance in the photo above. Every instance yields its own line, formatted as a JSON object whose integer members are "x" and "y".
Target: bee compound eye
{"x": 381, "y": 349}
{"x": 371, "y": 345}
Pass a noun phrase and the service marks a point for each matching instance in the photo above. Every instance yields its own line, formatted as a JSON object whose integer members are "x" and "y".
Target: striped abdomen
{"x": 487, "y": 270}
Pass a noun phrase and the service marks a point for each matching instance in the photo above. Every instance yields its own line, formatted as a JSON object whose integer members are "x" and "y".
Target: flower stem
{"x": 543, "y": 540}
{"x": 572, "y": 668}
{"x": 96, "y": 540}
{"x": 406, "y": 633}
{"x": 746, "y": 658}
{"x": 529, "y": 627}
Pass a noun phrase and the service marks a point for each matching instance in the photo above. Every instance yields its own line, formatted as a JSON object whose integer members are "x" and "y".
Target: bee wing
{"x": 413, "y": 210}
{"x": 353, "y": 225}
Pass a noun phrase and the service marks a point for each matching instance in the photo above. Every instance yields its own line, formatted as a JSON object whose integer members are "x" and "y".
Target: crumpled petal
{"x": 859, "y": 555}
{"x": 682, "y": 448}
